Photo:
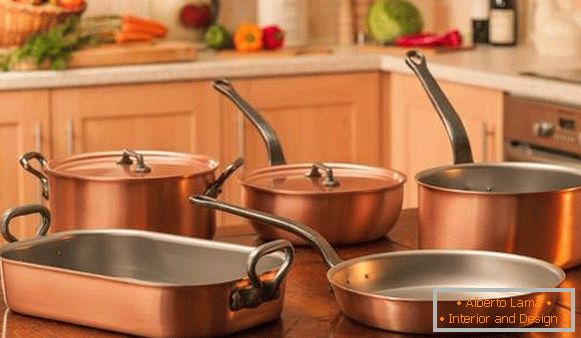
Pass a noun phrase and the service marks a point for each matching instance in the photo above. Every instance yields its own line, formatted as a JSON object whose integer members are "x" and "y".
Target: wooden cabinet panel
{"x": 168, "y": 116}
{"x": 317, "y": 118}
{"x": 417, "y": 139}
{"x": 24, "y": 121}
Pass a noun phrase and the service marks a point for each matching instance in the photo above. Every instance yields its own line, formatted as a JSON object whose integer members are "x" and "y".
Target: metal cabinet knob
{"x": 543, "y": 129}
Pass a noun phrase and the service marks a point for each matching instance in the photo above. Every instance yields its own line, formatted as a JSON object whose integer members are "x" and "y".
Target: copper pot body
{"x": 154, "y": 204}
{"x": 92, "y": 198}
{"x": 544, "y": 225}
{"x": 343, "y": 218}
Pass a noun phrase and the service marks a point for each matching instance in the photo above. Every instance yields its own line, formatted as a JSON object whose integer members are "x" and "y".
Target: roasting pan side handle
{"x": 23, "y": 211}
{"x": 260, "y": 291}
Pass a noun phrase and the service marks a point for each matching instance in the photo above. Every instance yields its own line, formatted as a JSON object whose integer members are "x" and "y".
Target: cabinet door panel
{"x": 170, "y": 116}
{"x": 418, "y": 140}
{"x": 23, "y": 127}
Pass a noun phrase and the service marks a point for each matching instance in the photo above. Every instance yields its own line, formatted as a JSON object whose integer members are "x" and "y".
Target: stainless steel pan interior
{"x": 393, "y": 291}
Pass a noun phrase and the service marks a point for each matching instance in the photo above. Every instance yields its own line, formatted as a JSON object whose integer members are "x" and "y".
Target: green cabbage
{"x": 390, "y": 19}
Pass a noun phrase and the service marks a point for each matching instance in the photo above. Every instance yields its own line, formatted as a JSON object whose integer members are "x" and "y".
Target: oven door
{"x": 525, "y": 153}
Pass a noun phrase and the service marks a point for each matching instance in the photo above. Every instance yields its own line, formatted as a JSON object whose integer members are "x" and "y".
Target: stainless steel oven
{"x": 542, "y": 132}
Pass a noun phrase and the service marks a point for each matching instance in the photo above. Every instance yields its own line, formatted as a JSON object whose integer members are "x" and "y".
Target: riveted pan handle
{"x": 215, "y": 188}
{"x": 260, "y": 291}
{"x": 23, "y": 211}
{"x": 25, "y": 160}
{"x": 273, "y": 146}
{"x": 311, "y": 236}
{"x": 457, "y": 134}
{"x": 140, "y": 166}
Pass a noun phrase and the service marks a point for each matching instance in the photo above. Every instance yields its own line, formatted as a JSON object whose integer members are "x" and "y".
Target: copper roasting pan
{"x": 143, "y": 283}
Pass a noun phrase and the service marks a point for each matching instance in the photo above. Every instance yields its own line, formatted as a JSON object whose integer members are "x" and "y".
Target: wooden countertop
{"x": 310, "y": 309}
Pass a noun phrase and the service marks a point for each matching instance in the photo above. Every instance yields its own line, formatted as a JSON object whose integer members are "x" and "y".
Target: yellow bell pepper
{"x": 248, "y": 38}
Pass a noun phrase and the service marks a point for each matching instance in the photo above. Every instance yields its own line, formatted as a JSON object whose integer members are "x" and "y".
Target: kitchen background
{"x": 439, "y": 15}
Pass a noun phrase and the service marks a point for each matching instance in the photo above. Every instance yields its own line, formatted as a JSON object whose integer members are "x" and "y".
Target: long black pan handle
{"x": 454, "y": 127}
{"x": 308, "y": 234}
{"x": 275, "y": 154}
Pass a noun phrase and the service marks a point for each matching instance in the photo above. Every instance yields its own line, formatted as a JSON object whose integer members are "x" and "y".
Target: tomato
{"x": 71, "y": 4}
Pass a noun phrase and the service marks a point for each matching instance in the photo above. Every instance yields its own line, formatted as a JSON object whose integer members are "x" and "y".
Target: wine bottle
{"x": 502, "y": 29}
{"x": 480, "y": 15}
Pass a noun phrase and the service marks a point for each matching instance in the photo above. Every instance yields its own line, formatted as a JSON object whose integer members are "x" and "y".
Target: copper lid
{"x": 129, "y": 164}
{"x": 346, "y": 177}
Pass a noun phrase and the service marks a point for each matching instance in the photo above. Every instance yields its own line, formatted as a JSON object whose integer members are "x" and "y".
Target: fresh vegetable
{"x": 141, "y": 25}
{"x": 53, "y": 46}
{"x": 218, "y": 37}
{"x": 132, "y": 36}
{"x": 390, "y": 19}
{"x": 70, "y": 4}
{"x": 248, "y": 38}
{"x": 272, "y": 37}
{"x": 196, "y": 16}
{"x": 450, "y": 39}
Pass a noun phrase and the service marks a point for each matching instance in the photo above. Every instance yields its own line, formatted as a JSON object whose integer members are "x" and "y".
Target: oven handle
{"x": 528, "y": 154}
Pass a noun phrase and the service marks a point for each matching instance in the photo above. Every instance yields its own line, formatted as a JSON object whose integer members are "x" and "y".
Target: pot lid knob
{"x": 140, "y": 166}
{"x": 329, "y": 179}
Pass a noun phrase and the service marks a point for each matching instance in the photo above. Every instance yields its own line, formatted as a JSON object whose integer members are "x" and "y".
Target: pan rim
{"x": 557, "y": 271}
{"x": 425, "y": 173}
{"x": 398, "y": 177}
{"x": 128, "y": 280}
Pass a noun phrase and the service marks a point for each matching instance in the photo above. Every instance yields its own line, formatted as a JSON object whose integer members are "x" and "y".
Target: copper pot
{"x": 526, "y": 208}
{"x": 145, "y": 190}
{"x": 347, "y": 203}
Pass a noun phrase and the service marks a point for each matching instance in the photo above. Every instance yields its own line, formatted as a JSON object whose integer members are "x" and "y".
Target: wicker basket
{"x": 18, "y": 21}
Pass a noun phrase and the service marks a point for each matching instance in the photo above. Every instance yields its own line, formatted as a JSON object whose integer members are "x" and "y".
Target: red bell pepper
{"x": 272, "y": 37}
{"x": 450, "y": 39}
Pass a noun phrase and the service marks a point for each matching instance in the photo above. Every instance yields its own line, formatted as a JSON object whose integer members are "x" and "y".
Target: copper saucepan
{"x": 347, "y": 203}
{"x": 393, "y": 291}
{"x": 145, "y": 190}
{"x": 526, "y": 208}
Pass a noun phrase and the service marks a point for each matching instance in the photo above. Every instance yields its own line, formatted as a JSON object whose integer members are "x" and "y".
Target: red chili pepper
{"x": 450, "y": 39}
{"x": 272, "y": 37}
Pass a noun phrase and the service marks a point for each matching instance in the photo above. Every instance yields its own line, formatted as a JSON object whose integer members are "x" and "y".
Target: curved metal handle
{"x": 216, "y": 187}
{"x": 262, "y": 291}
{"x": 273, "y": 146}
{"x": 24, "y": 161}
{"x": 311, "y": 236}
{"x": 328, "y": 180}
{"x": 23, "y": 211}
{"x": 140, "y": 166}
{"x": 454, "y": 127}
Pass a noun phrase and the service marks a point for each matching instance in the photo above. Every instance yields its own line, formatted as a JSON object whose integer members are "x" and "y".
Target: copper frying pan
{"x": 531, "y": 209}
{"x": 347, "y": 203}
{"x": 393, "y": 291}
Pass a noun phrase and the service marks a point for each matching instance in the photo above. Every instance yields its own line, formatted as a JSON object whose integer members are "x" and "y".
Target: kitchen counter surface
{"x": 310, "y": 309}
{"x": 492, "y": 67}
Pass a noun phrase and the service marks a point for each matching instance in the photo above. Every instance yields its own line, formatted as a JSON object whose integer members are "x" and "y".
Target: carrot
{"x": 146, "y": 25}
{"x": 151, "y": 30}
{"x": 124, "y": 36}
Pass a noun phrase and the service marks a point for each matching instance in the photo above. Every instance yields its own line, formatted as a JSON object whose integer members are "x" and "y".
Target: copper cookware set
{"x": 102, "y": 269}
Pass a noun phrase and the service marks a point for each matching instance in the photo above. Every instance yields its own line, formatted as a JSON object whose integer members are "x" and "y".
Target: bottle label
{"x": 502, "y": 28}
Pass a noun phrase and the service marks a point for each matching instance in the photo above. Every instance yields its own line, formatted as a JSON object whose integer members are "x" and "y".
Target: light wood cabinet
{"x": 317, "y": 118}
{"x": 24, "y": 126}
{"x": 415, "y": 138}
{"x": 181, "y": 116}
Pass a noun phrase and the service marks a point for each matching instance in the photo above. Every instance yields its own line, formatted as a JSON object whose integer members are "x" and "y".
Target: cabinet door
{"x": 24, "y": 124}
{"x": 417, "y": 138}
{"x": 180, "y": 117}
{"x": 317, "y": 118}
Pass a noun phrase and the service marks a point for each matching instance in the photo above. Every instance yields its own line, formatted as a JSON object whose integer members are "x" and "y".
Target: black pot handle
{"x": 260, "y": 291}
{"x": 24, "y": 161}
{"x": 456, "y": 132}
{"x": 23, "y": 211}
{"x": 273, "y": 146}
{"x": 215, "y": 188}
